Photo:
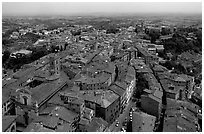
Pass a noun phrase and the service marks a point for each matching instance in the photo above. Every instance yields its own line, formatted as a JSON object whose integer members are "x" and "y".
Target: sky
{"x": 68, "y": 8}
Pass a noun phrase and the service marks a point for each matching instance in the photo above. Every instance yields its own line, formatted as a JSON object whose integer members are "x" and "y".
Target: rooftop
{"x": 158, "y": 94}
{"x": 170, "y": 87}
{"x": 178, "y": 124}
{"x": 116, "y": 89}
{"x": 96, "y": 124}
{"x": 7, "y": 121}
{"x": 151, "y": 96}
{"x": 23, "y": 72}
{"x": 143, "y": 51}
{"x": 103, "y": 98}
{"x": 121, "y": 84}
{"x": 23, "y": 51}
{"x": 41, "y": 92}
{"x": 52, "y": 115}
{"x": 159, "y": 68}
{"x": 191, "y": 107}
{"x": 88, "y": 80}
{"x": 37, "y": 127}
{"x": 143, "y": 122}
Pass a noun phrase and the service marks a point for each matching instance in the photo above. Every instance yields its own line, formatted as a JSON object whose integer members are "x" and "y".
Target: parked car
{"x": 123, "y": 129}
{"x": 130, "y": 113}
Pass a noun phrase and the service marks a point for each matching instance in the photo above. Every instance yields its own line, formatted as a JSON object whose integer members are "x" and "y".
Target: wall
{"x": 113, "y": 111}
{"x": 172, "y": 95}
{"x": 150, "y": 106}
{"x": 90, "y": 105}
{"x": 95, "y": 86}
{"x": 130, "y": 89}
{"x": 78, "y": 108}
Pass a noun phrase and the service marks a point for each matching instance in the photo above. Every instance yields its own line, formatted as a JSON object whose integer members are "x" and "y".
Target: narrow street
{"x": 121, "y": 118}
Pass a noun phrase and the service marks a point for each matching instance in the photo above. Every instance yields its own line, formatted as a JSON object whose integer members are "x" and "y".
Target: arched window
{"x": 25, "y": 100}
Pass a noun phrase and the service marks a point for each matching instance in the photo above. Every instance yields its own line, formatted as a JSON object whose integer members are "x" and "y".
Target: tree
{"x": 30, "y": 37}
{"x": 54, "y": 48}
{"x": 6, "y": 41}
{"x": 165, "y": 31}
{"x": 111, "y": 29}
{"x": 154, "y": 35}
{"x": 198, "y": 42}
{"x": 169, "y": 64}
{"x": 75, "y": 33}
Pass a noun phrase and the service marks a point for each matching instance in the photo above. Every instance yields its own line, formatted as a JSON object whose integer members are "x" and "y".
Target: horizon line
{"x": 103, "y": 13}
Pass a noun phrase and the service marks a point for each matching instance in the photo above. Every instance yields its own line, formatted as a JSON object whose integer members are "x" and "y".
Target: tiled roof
{"x": 23, "y": 73}
{"x": 65, "y": 127}
{"x": 116, "y": 89}
{"x": 37, "y": 127}
{"x": 152, "y": 97}
{"x": 104, "y": 98}
{"x": 121, "y": 84}
{"x": 160, "y": 68}
{"x": 191, "y": 107}
{"x": 143, "y": 122}
{"x": 180, "y": 79}
{"x": 51, "y": 121}
{"x": 61, "y": 112}
{"x": 178, "y": 124}
{"x": 102, "y": 78}
{"x": 41, "y": 92}
{"x": 7, "y": 121}
{"x": 97, "y": 124}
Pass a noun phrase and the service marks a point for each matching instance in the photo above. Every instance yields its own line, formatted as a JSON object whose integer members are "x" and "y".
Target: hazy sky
{"x": 56, "y": 8}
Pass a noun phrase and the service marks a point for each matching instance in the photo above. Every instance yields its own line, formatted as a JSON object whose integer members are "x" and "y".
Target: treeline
{"x": 179, "y": 44}
{"x": 175, "y": 67}
{"x": 176, "y": 46}
{"x": 31, "y": 37}
{"x": 16, "y": 63}
{"x": 109, "y": 26}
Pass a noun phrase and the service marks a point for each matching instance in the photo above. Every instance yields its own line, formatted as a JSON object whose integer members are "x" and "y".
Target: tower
{"x": 51, "y": 65}
{"x": 57, "y": 65}
{"x": 54, "y": 67}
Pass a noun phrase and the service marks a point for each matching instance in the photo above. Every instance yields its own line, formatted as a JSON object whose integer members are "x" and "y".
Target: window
{"x": 25, "y": 99}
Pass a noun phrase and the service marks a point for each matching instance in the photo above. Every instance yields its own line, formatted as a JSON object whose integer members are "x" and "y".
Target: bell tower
{"x": 57, "y": 65}
{"x": 54, "y": 67}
